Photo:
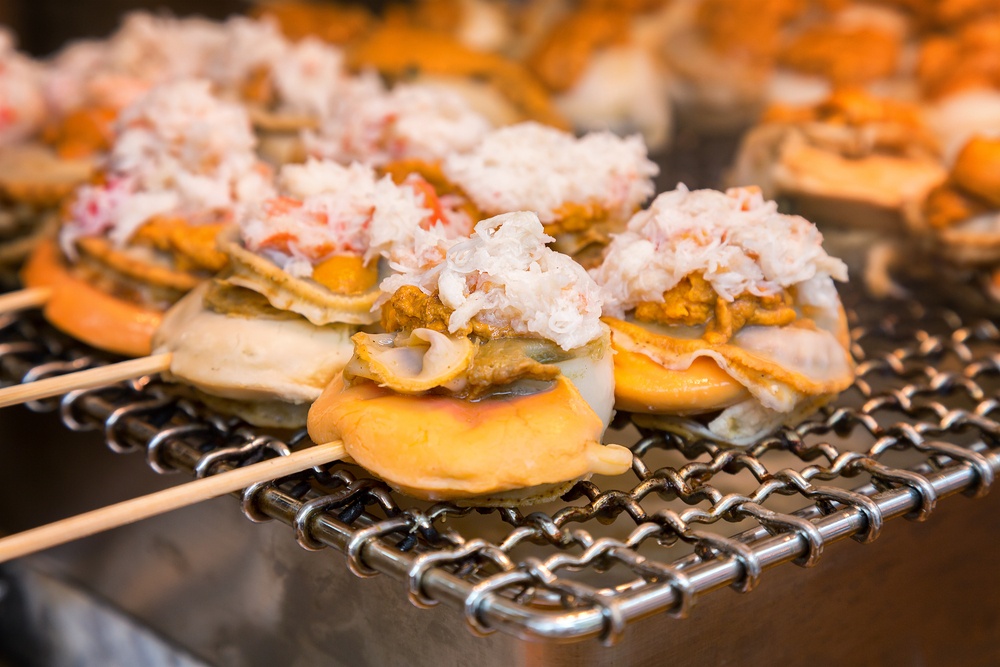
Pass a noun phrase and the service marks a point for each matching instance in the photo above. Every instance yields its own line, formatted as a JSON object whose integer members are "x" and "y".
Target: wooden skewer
{"x": 33, "y": 297}
{"x": 92, "y": 377}
{"x": 130, "y": 511}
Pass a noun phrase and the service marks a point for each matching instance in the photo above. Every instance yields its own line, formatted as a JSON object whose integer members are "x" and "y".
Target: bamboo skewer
{"x": 92, "y": 377}
{"x": 143, "y": 507}
{"x": 23, "y": 299}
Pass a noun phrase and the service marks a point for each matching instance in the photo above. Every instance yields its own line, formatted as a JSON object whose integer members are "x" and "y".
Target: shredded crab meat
{"x": 376, "y": 127}
{"x": 309, "y": 76}
{"x": 505, "y": 276}
{"x": 532, "y": 167}
{"x": 329, "y": 209}
{"x": 179, "y": 151}
{"x": 736, "y": 239}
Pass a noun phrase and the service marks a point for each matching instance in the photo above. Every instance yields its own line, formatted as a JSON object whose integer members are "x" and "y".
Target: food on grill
{"x": 493, "y": 383}
{"x": 602, "y": 65}
{"x": 581, "y": 188}
{"x": 334, "y": 22}
{"x": 499, "y": 88}
{"x": 741, "y": 334}
{"x": 731, "y": 58}
{"x": 143, "y": 234}
{"x": 959, "y": 75}
{"x": 724, "y": 317}
{"x": 857, "y": 45}
{"x": 23, "y": 99}
{"x": 33, "y": 180}
{"x": 721, "y": 53}
{"x": 853, "y": 160}
{"x": 89, "y": 82}
{"x": 265, "y": 337}
{"x": 287, "y": 87}
{"x": 959, "y": 220}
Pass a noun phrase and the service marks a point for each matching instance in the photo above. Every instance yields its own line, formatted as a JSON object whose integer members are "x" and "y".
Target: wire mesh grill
{"x": 920, "y": 423}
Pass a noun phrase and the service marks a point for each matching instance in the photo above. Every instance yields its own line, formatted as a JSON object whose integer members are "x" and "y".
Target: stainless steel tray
{"x": 920, "y": 424}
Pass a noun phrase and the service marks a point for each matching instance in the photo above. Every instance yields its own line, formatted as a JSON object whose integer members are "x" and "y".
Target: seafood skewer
{"x": 493, "y": 385}
{"x": 724, "y": 316}
{"x": 264, "y": 337}
{"x": 143, "y": 235}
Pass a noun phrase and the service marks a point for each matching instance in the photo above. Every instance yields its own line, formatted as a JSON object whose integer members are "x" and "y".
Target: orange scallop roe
{"x": 845, "y": 56}
{"x": 193, "y": 247}
{"x": 346, "y": 274}
{"x": 977, "y": 170}
{"x": 643, "y": 385}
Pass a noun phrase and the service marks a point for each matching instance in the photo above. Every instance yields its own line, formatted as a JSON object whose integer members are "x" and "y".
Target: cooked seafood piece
{"x": 724, "y": 317}
{"x": 493, "y": 383}
{"x": 959, "y": 220}
{"x": 288, "y": 87}
{"x": 604, "y": 67}
{"x": 732, "y": 58}
{"x": 496, "y": 87}
{"x": 33, "y": 181}
{"x": 264, "y": 338}
{"x": 853, "y": 160}
{"x": 857, "y": 44}
{"x": 334, "y": 22}
{"x": 959, "y": 76}
{"x": 143, "y": 234}
{"x": 721, "y": 53}
{"x": 21, "y": 94}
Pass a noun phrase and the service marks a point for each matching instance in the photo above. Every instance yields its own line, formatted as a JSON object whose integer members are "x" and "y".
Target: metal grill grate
{"x": 920, "y": 423}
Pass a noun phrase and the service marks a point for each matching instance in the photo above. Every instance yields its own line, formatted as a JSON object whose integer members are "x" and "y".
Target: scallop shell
{"x": 828, "y": 177}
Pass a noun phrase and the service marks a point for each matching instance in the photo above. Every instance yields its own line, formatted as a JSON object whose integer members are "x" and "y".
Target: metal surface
{"x": 919, "y": 425}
